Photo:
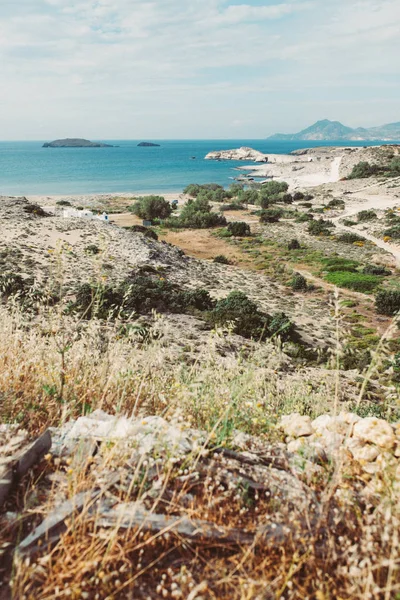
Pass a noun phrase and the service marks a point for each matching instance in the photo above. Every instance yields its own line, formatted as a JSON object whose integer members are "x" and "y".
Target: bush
{"x": 239, "y": 229}
{"x": 222, "y": 259}
{"x": 387, "y": 302}
{"x": 140, "y": 294}
{"x": 320, "y": 227}
{"x": 376, "y": 270}
{"x": 336, "y": 203}
{"x": 92, "y": 249}
{"x": 298, "y": 196}
{"x": 273, "y": 189}
{"x": 305, "y": 204}
{"x": 149, "y": 233}
{"x": 198, "y": 220}
{"x": 364, "y": 169}
{"x": 299, "y": 283}
{"x": 294, "y": 245}
{"x": 232, "y": 206}
{"x": 349, "y": 222}
{"x": 151, "y": 207}
{"x": 248, "y": 197}
{"x": 393, "y": 232}
{"x": 248, "y": 321}
{"x": 350, "y": 238}
{"x": 353, "y": 281}
{"x": 271, "y": 215}
{"x": 196, "y": 214}
{"x": 366, "y": 215}
{"x": 288, "y": 199}
{"x": 304, "y": 218}
{"x": 63, "y": 203}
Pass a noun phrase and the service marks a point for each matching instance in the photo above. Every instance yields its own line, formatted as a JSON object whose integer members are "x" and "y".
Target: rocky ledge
{"x": 243, "y": 153}
{"x": 75, "y": 143}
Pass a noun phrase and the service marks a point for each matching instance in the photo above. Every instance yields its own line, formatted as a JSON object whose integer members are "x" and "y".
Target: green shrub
{"x": 393, "y": 232}
{"x": 366, "y": 215}
{"x": 305, "y": 204}
{"x": 248, "y": 321}
{"x": 387, "y": 302}
{"x": 364, "y": 169}
{"x": 141, "y": 293}
{"x": 272, "y": 189}
{"x": 233, "y": 206}
{"x": 198, "y": 220}
{"x": 353, "y": 281}
{"x": 222, "y": 259}
{"x": 92, "y": 249}
{"x": 287, "y": 199}
{"x": 349, "y": 222}
{"x": 294, "y": 245}
{"x": 299, "y": 283}
{"x": 149, "y": 233}
{"x": 239, "y": 229}
{"x": 304, "y": 218}
{"x": 151, "y": 207}
{"x": 376, "y": 270}
{"x": 336, "y": 203}
{"x": 248, "y": 197}
{"x": 63, "y": 203}
{"x": 350, "y": 238}
{"x": 320, "y": 227}
{"x": 298, "y": 196}
{"x": 271, "y": 215}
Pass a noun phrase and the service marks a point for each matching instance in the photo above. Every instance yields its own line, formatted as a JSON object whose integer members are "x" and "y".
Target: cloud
{"x": 173, "y": 68}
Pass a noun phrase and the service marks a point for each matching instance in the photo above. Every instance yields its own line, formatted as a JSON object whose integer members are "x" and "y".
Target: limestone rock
{"x": 296, "y": 425}
{"x": 362, "y": 452}
{"x": 375, "y": 431}
{"x": 243, "y": 153}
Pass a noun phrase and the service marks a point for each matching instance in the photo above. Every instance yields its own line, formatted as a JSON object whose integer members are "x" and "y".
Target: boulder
{"x": 296, "y": 425}
{"x": 375, "y": 431}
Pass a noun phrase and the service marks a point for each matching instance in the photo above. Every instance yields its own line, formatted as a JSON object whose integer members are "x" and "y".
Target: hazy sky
{"x": 113, "y": 69}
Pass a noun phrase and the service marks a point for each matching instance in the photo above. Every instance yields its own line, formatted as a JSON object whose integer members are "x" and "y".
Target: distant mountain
{"x": 326, "y": 130}
{"x": 75, "y": 143}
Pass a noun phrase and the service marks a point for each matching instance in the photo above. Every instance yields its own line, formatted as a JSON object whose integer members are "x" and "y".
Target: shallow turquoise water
{"x": 28, "y": 169}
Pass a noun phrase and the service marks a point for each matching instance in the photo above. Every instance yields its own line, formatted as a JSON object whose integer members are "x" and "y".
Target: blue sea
{"x": 28, "y": 169}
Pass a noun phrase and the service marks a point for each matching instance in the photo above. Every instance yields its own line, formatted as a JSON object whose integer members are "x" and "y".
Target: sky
{"x": 192, "y": 69}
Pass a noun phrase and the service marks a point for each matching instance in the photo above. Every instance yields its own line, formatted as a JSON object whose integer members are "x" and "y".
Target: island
{"x": 326, "y": 130}
{"x": 148, "y": 145}
{"x": 75, "y": 143}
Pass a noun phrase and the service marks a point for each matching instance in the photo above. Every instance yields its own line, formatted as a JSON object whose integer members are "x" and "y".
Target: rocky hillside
{"x": 326, "y": 130}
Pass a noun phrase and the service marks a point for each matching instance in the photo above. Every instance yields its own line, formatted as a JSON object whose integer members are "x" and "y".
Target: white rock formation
{"x": 243, "y": 153}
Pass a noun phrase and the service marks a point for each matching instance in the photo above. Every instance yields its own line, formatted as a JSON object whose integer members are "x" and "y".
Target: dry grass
{"x": 341, "y": 544}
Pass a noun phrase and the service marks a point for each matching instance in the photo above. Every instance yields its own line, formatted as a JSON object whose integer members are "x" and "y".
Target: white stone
{"x": 296, "y": 425}
{"x": 364, "y": 453}
{"x": 320, "y": 424}
{"x": 375, "y": 431}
